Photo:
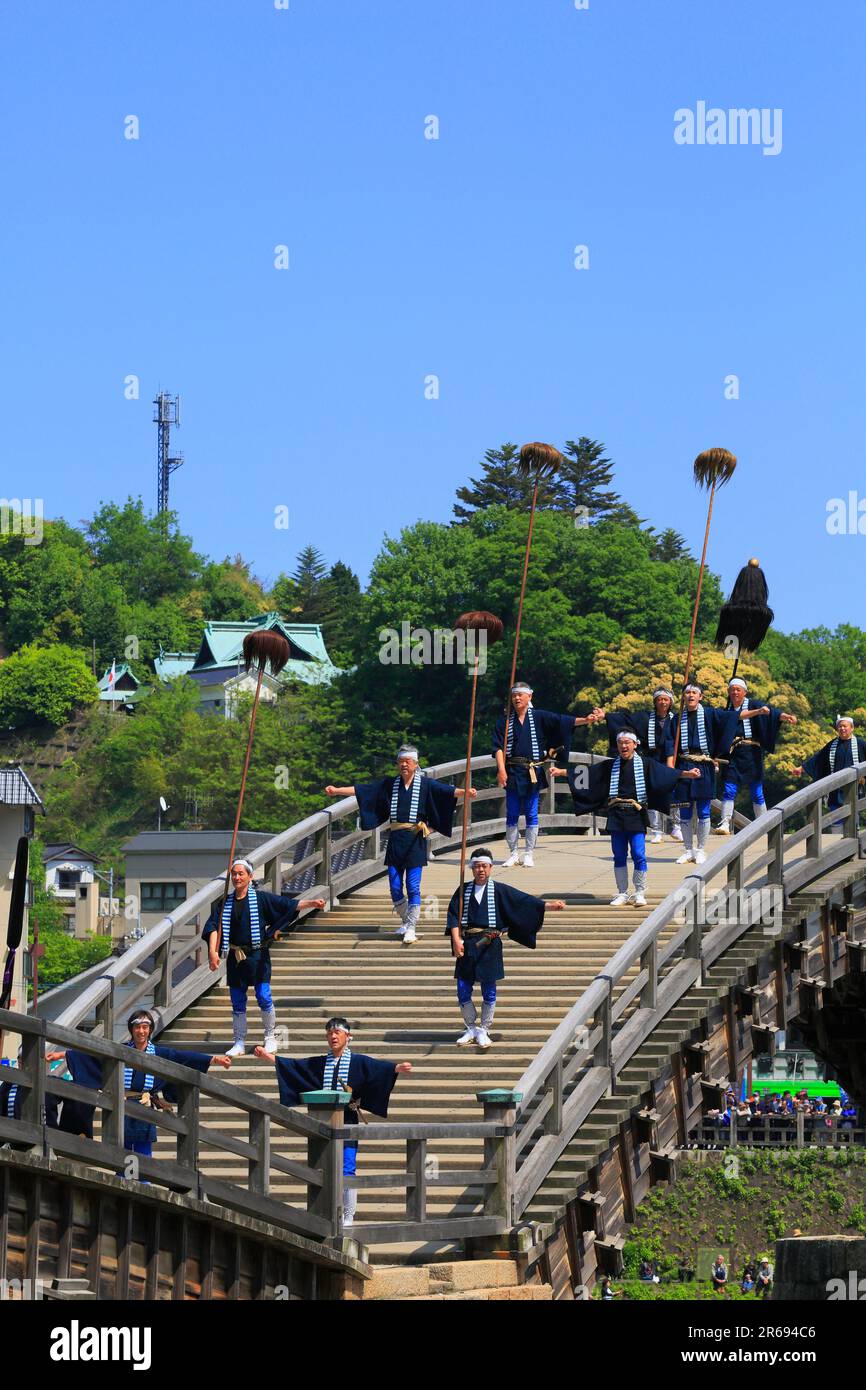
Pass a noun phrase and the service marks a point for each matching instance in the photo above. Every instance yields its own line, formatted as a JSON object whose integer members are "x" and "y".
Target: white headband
{"x": 521, "y": 685}
{"x": 661, "y": 691}
{"x": 480, "y": 859}
{"x": 407, "y": 751}
{"x": 627, "y": 733}
{"x": 737, "y": 680}
{"x": 693, "y": 686}
{"x": 245, "y": 863}
{"x": 844, "y": 719}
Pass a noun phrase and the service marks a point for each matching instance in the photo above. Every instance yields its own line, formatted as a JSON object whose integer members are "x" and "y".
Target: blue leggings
{"x": 413, "y": 884}
{"x": 621, "y": 843}
{"x": 464, "y": 992}
{"x": 703, "y": 809}
{"x": 756, "y": 788}
{"x": 239, "y": 997}
{"x": 350, "y": 1160}
{"x": 517, "y": 806}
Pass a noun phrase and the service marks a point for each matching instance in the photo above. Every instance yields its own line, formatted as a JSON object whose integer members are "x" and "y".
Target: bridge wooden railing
{"x": 798, "y": 1131}
{"x": 322, "y": 1128}
{"x": 524, "y": 1130}
{"x": 646, "y": 978}
{"x": 322, "y": 856}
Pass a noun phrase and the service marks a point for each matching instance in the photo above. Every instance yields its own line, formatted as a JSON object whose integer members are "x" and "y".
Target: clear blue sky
{"x": 410, "y": 257}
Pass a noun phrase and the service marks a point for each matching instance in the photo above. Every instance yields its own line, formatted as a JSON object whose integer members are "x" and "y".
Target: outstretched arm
{"x": 339, "y": 791}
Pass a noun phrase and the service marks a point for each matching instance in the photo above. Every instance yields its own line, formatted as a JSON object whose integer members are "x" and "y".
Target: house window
{"x": 162, "y": 897}
{"x": 68, "y": 879}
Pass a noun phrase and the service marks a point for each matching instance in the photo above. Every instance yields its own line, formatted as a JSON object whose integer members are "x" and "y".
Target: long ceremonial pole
{"x": 243, "y": 782}
{"x": 467, "y": 780}
{"x": 526, "y": 554}
{"x": 694, "y": 619}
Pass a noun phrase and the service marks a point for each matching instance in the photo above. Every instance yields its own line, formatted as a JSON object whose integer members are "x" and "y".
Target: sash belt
{"x": 419, "y": 827}
{"x": 702, "y": 758}
{"x": 745, "y": 743}
{"x": 625, "y": 801}
{"x": 481, "y": 931}
{"x": 532, "y": 764}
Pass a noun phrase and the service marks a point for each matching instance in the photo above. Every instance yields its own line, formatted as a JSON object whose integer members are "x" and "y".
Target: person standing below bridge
{"x": 624, "y": 789}
{"x": 370, "y": 1081}
{"x": 412, "y": 805}
{"x": 706, "y": 734}
{"x": 655, "y": 729}
{"x": 759, "y": 729}
{"x": 476, "y": 926}
{"x": 535, "y": 738}
{"x": 845, "y": 750}
{"x": 243, "y": 930}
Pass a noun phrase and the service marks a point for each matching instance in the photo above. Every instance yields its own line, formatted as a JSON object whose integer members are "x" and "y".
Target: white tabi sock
{"x": 759, "y": 808}
{"x": 620, "y": 873}
{"x": 686, "y": 827}
{"x": 487, "y": 1012}
{"x": 239, "y": 1025}
{"x": 512, "y": 835}
{"x": 470, "y": 1013}
{"x": 727, "y": 812}
{"x": 413, "y": 914}
{"x": 531, "y": 837}
{"x": 401, "y": 907}
{"x": 640, "y": 880}
{"x": 703, "y": 833}
{"x": 655, "y": 820}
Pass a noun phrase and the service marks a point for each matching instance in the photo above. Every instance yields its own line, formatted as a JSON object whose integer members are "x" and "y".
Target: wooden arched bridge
{"x": 609, "y": 1041}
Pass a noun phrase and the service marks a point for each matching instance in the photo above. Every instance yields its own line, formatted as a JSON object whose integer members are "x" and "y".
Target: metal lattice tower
{"x": 166, "y": 413}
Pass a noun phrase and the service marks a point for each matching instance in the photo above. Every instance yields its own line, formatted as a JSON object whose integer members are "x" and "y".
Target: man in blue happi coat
{"x": 243, "y": 929}
{"x": 847, "y": 749}
{"x": 757, "y": 734}
{"x": 143, "y": 1088}
{"x": 477, "y": 921}
{"x": 340, "y": 1069}
{"x": 412, "y": 805}
{"x": 525, "y": 744}
{"x": 625, "y": 788}
{"x": 655, "y": 729}
{"x": 706, "y": 734}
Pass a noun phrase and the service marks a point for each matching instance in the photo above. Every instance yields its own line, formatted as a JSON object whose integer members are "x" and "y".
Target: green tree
{"x": 587, "y": 474}
{"x": 44, "y": 683}
{"x": 148, "y": 555}
{"x": 503, "y": 485}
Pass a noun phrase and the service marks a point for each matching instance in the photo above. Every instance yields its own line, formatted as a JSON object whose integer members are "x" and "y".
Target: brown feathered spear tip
{"x": 714, "y": 466}
{"x": 480, "y": 621}
{"x": 541, "y": 459}
{"x": 264, "y": 647}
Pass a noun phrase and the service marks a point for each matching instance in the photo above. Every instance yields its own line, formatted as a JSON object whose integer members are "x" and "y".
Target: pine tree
{"x": 670, "y": 545}
{"x": 503, "y": 485}
{"x": 585, "y": 476}
{"x": 310, "y": 571}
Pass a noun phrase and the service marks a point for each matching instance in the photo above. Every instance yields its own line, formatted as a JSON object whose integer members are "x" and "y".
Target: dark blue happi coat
{"x": 659, "y": 781}
{"x": 639, "y": 722}
{"x": 554, "y": 733}
{"x": 752, "y": 739}
{"x": 436, "y": 801}
{"x": 77, "y": 1118}
{"x": 519, "y": 915}
{"x": 721, "y": 726}
{"x": 371, "y": 1082}
{"x": 276, "y": 913}
{"x": 818, "y": 765}
{"x": 11, "y": 1097}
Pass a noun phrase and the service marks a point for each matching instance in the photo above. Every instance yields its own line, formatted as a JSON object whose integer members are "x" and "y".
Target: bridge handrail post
{"x": 33, "y": 1061}
{"x": 801, "y": 1127}
{"x": 327, "y": 858}
{"x": 259, "y": 1163}
{"x": 500, "y": 1152}
{"x": 416, "y": 1168}
{"x": 849, "y": 801}
{"x": 325, "y": 1153}
{"x": 554, "y": 1088}
{"x": 814, "y": 816}
{"x": 649, "y": 962}
{"x": 162, "y": 959}
{"x": 188, "y": 1110}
